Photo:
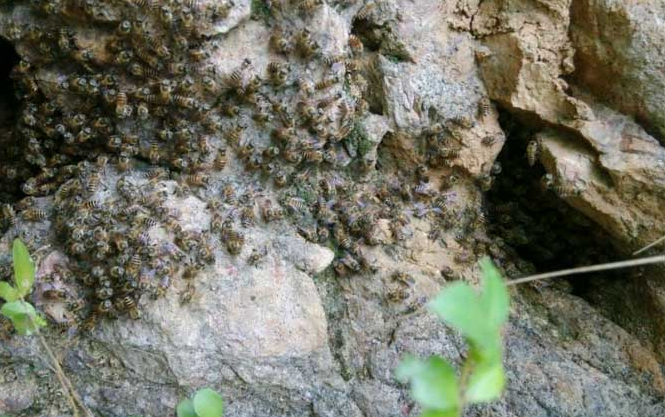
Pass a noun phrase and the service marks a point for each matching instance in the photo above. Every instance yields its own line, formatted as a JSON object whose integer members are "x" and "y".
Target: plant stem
{"x": 67, "y": 388}
{"x": 649, "y": 246}
{"x": 592, "y": 268}
{"x": 59, "y": 374}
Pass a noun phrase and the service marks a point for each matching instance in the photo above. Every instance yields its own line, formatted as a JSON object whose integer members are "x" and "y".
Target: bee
{"x": 93, "y": 181}
{"x": 141, "y": 71}
{"x": 253, "y": 85}
{"x": 309, "y": 6}
{"x": 130, "y": 306}
{"x": 484, "y": 107}
{"x": 104, "y": 292}
{"x": 488, "y": 140}
{"x": 124, "y": 28}
{"x": 314, "y": 156}
{"x": 9, "y": 214}
{"x": 247, "y": 217}
{"x": 305, "y": 45}
{"x": 163, "y": 285}
{"x": 122, "y": 110}
{"x": 220, "y": 10}
{"x": 88, "y": 324}
{"x": 257, "y": 255}
{"x": 34, "y": 214}
{"x": 547, "y": 181}
{"x": 365, "y": 11}
{"x": 449, "y": 153}
{"x": 397, "y": 293}
{"x": 327, "y": 82}
{"x": 284, "y": 134}
{"x": 355, "y": 44}
{"x": 350, "y": 263}
{"x": 198, "y": 55}
{"x": 184, "y": 102}
{"x": 270, "y": 213}
{"x": 206, "y": 253}
{"x": 187, "y": 295}
{"x": 532, "y": 152}
{"x": 295, "y": 204}
{"x": 280, "y": 43}
{"x": 186, "y": 19}
{"x": 277, "y": 73}
{"x": 305, "y": 86}
{"x": 176, "y": 68}
{"x": 143, "y": 4}
{"x": 280, "y": 178}
{"x": 209, "y": 84}
{"x": 566, "y": 190}
{"x": 235, "y": 243}
{"x": 235, "y": 80}
{"x": 26, "y": 203}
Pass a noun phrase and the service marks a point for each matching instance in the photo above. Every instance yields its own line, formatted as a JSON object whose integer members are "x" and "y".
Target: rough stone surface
{"x": 287, "y": 337}
{"x": 618, "y": 56}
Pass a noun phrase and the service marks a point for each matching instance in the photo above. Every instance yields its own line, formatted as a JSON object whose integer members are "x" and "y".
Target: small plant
{"x": 27, "y": 321}
{"x": 479, "y": 318}
{"x": 22, "y": 314}
{"x": 205, "y": 403}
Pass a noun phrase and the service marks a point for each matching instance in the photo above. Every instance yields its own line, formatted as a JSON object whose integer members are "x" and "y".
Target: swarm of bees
{"x": 146, "y": 99}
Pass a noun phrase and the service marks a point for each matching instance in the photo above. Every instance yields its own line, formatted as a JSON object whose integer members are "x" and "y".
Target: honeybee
{"x": 488, "y": 140}
{"x": 532, "y": 152}
{"x": 484, "y": 107}
{"x": 295, "y": 204}
{"x": 206, "y": 253}
{"x": 270, "y": 213}
{"x": 355, "y": 44}
{"x": 34, "y": 214}
{"x": 9, "y": 214}
{"x": 235, "y": 242}
{"x": 280, "y": 43}
{"x": 280, "y": 178}
{"x": 277, "y": 73}
{"x": 187, "y": 295}
{"x": 305, "y": 45}
{"x": 247, "y": 217}
{"x": 327, "y": 82}
{"x": 234, "y": 135}
{"x": 163, "y": 285}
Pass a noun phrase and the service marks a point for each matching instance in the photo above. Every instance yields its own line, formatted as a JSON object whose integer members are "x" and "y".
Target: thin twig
{"x": 59, "y": 374}
{"x": 592, "y": 268}
{"x": 68, "y": 389}
{"x": 649, "y": 246}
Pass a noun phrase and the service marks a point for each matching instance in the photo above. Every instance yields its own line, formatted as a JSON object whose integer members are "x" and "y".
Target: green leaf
{"x": 7, "y": 292}
{"x": 433, "y": 382}
{"x": 494, "y": 298}
{"x": 186, "y": 409}
{"x": 441, "y": 413}
{"x": 23, "y": 316}
{"x": 460, "y": 307}
{"x": 24, "y": 268}
{"x": 486, "y": 382}
{"x": 208, "y": 403}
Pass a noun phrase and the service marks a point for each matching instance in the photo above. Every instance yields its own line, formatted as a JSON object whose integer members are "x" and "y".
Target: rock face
{"x": 617, "y": 56}
{"x": 382, "y": 120}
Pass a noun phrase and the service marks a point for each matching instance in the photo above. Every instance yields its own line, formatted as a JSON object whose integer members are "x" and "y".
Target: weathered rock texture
{"x": 283, "y": 334}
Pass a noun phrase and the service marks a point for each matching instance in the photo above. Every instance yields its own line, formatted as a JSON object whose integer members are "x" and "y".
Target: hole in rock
{"x": 538, "y": 225}
{"x": 9, "y": 154}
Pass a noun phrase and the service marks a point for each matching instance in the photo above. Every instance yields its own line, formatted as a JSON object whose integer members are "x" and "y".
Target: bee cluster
{"x": 143, "y": 97}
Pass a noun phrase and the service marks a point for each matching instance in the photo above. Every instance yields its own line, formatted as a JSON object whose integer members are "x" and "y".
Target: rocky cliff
{"x": 261, "y": 197}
